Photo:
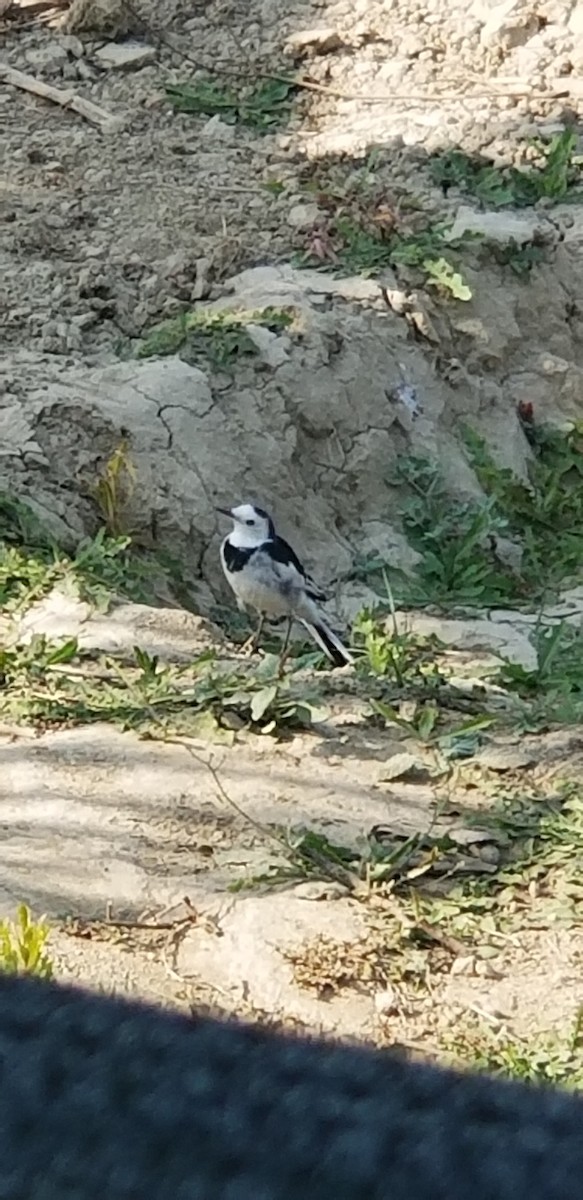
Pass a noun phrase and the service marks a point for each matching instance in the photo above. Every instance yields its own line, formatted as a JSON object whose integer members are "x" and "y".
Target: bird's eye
{"x": 249, "y": 522}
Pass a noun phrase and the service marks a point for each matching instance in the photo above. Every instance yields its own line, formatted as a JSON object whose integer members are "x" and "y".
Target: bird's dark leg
{"x": 252, "y": 643}
{"x": 284, "y": 649}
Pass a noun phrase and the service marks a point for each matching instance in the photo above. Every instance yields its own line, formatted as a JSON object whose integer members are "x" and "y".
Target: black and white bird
{"x": 266, "y": 575}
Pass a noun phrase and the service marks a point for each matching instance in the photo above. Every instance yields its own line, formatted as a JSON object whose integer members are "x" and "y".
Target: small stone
{"x": 400, "y": 766}
{"x": 504, "y": 758}
{"x": 155, "y": 99}
{"x": 84, "y": 71}
{"x": 316, "y": 889}
{"x": 551, "y": 364}
{"x": 500, "y": 227}
{"x": 303, "y": 216}
{"x": 273, "y": 350}
{"x": 464, "y": 965}
{"x": 385, "y": 1002}
{"x": 485, "y": 970}
{"x": 125, "y": 56}
{"x": 219, "y": 130}
{"x": 509, "y": 553}
{"x": 314, "y": 41}
{"x": 47, "y": 58}
{"x": 84, "y": 320}
{"x": 411, "y": 45}
{"x": 576, "y": 21}
{"x": 72, "y": 45}
{"x": 201, "y": 286}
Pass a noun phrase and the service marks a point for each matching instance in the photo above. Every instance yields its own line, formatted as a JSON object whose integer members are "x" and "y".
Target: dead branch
{"x": 65, "y": 99}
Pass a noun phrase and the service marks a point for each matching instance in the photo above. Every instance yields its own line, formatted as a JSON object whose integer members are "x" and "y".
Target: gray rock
{"x": 218, "y": 131}
{"x": 505, "y": 758}
{"x": 125, "y": 56}
{"x": 402, "y": 766}
{"x": 502, "y": 226}
{"x": 313, "y": 41}
{"x": 303, "y": 216}
{"x": 49, "y": 59}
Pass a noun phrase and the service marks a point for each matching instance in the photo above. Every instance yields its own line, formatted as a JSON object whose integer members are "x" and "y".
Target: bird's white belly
{"x": 260, "y": 594}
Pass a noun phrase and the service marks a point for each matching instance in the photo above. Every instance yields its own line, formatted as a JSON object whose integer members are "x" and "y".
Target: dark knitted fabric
{"x": 105, "y": 1100}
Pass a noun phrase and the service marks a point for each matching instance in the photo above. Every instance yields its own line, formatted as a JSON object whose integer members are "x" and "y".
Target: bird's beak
{"x": 225, "y": 512}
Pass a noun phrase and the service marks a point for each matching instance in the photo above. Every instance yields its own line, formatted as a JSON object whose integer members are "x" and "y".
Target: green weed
{"x": 366, "y": 230}
{"x": 457, "y": 540}
{"x": 441, "y": 274}
{"x": 545, "y": 514}
{"x": 388, "y": 653}
{"x": 220, "y": 337}
{"x": 547, "y": 1059}
{"x": 274, "y": 186}
{"x": 380, "y": 860}
{"x": 554, "y": 178}
{"x": 99, "y": 568}
{"x": 453, "y": 539}
{"x": 361, "y": 250}
{"x": 539, "y": 843}
{"x": 23, "y": 946}
{"x": 263, "y": 107}
{"x": 553, "y": 689}
{"x": 520, "y": 258}
{"x": 54, "y": 682}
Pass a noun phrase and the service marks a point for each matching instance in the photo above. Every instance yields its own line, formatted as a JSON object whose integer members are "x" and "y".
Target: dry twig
{"x": 64, "y": 98}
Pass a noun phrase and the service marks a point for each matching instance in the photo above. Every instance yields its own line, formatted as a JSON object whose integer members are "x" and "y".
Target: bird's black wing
{"x": 282, "y": 552}
{"x": 235, "y": 557}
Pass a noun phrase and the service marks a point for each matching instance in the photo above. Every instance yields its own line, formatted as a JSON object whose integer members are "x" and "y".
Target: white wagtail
{"x": 267, "y": 575}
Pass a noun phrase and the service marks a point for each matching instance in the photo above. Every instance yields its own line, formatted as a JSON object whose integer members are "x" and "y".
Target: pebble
{"x": 125, "y": 56}
{"x": 303, "y": 216}
{"x": 316, "y": 41}
{"x": 218, "y": 130}
{"x": 463, "y": 965}
{"x": 385, "y": 1002}
{"x": 49, "y": 59}
{"x": 400, "y": 766}
{"x": 72, "y": 45}
{"x": 505, "y": 758}
{"x": 84, "y": 320}
{"x": 315, "y": 889}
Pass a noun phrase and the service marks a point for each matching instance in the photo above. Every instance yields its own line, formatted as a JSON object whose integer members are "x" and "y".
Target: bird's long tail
{"x": 330, "y": 643}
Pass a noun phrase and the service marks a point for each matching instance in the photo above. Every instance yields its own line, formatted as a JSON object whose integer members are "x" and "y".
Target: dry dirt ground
{"x": 104, "y": 233}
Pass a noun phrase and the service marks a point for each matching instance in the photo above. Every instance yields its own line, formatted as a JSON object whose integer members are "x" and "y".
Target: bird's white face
{"x": 251, "y": 525}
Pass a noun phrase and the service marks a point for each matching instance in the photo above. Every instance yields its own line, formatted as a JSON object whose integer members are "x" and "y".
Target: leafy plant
{"x": 262, "y": 107}
{"x": 364, "y": 249}
{"x": 390, "y": 653}
{"x": 453, "y": 539}
{"x": 545, "y": 514}
{"x": 554, "y": 178}
{"x": 554, "y": 687}
{"x": 55, "y": 682}
{"x": 520, "y": 258}
{"x": 441, "y": 273}
{"x": 23, "y": 946}
{"x": 422, "y": 723}
{"x": 221, "y": 337}
{"x": 456, "y": 540}
{"x": 104, "y": 566}
{"x": 19, "y": 525}
{"x": 555, "y": 1058}
{"x": 100, "y": 567}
